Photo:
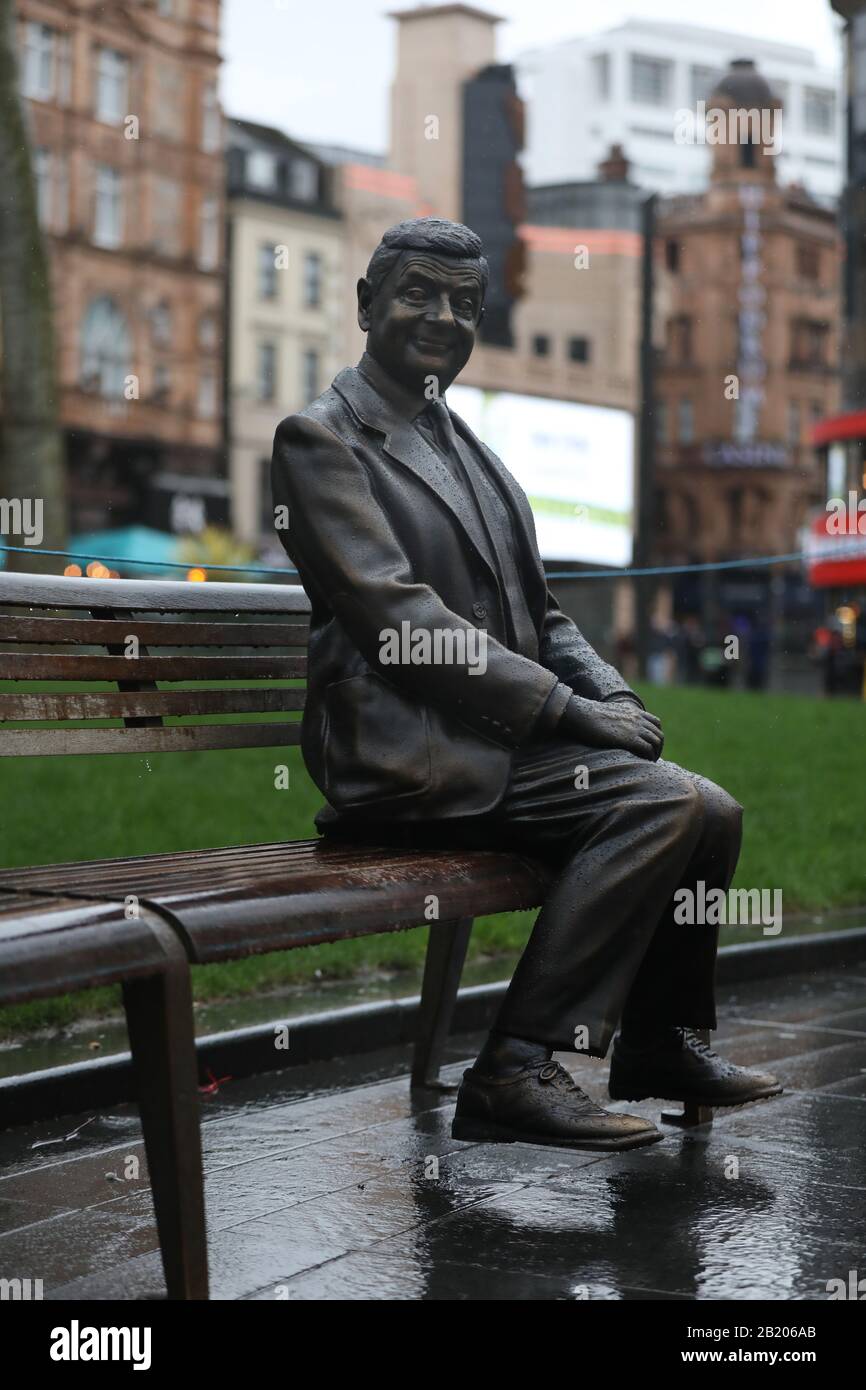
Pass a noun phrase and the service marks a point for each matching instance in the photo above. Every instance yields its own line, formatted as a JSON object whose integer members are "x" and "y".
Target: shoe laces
{"x": 554, "y": 1073}
{"x": 696, "y": 1044}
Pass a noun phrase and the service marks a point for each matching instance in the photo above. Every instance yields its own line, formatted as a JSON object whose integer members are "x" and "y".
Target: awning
{"x": 834, "y": 561}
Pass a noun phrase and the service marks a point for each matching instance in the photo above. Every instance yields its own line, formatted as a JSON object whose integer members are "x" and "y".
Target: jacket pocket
{"x": 377, "y": 743}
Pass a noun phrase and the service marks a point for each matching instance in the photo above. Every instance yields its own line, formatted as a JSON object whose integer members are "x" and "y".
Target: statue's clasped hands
{"x": 614, "y": 724}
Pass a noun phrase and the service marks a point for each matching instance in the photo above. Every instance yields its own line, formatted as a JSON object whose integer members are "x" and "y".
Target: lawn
{"x": 796, "y": 764}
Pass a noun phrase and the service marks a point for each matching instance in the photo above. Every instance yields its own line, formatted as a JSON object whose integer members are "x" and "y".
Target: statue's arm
{"x": 343, "y": 542}
{"x": 565, "y": 651}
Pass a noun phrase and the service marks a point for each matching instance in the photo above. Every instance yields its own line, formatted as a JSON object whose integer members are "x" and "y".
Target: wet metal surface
{"x": 331, "y": 1182}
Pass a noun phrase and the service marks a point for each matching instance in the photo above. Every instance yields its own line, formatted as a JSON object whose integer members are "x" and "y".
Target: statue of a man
{"x": 451, "y": 701}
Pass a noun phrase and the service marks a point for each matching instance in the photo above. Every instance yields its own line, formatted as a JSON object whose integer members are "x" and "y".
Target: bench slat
{"x": 18, "y": 666}
{"x": 127, "y": 704}
{"x": 150, "y": 595}
{"x": 176, "y": 739}
{"x": 103, "y": 632}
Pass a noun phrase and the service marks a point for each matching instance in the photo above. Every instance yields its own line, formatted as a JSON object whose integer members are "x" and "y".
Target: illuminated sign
{"x": 574, "y": 462}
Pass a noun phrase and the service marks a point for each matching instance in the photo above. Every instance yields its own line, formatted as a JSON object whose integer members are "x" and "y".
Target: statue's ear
{"x": 480, "y": 317}
{"x": 365, "y": 300}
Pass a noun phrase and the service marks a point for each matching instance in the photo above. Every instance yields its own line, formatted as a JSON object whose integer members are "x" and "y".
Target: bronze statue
{"x": 451, "y": 701}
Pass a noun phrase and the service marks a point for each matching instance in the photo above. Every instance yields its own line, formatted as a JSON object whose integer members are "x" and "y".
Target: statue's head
{"x": 422, "y": 300}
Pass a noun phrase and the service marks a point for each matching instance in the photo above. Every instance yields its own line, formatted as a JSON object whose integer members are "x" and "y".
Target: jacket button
{"x": 479, "y": 611}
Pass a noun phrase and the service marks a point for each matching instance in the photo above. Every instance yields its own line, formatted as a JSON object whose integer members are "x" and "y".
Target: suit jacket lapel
{"x": 518, "y": 502}
{"x": 403, "y": 443}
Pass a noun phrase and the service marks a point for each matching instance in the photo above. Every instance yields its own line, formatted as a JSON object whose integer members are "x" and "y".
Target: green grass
{"x": 796, "y": 764}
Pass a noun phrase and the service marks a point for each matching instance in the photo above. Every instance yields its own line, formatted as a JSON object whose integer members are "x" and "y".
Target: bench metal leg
{"x": 160, "y": 1021}
{"x": 691, "y": 1114}
{"x": 446, "y": 952}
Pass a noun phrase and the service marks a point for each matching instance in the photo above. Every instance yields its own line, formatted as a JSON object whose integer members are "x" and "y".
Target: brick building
{"x": 127, "y": 142}
{"x": 751, "y": 273}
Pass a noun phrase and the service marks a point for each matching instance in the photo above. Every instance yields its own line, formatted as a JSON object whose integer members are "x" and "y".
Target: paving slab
{"x": 334, "y": 1182}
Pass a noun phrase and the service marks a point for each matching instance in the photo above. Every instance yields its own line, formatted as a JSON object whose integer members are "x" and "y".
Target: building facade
{"x": 749, "y": 363}
{"x": 285, "y": 293}
{"x": 127, "y": 147}
{"x": 626, "y": 86}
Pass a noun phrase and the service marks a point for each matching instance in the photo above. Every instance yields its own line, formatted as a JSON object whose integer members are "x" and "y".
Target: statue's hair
{"x": 434, "y": 234}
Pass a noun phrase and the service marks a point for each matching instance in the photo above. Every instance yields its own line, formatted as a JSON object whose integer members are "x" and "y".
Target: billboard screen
{"x": 574, "y": 462}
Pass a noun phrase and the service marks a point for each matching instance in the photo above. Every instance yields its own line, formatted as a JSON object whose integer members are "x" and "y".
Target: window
{"x": 266, "y": 371}
{"x": 106, "y": 348}
{"x": 703, "y": 83}
{"x": 793, "y": 422}
{"x": 819, "y": 111}
{"x": 42, "y": 175}
{"x": 661, "y": 414}
{"x": 680, "y": 338}
{"x": 685, "y": 422}
{"x": 809, "y": 343}
{"x": 782, "y": 90}
{"x": 310, "y": 369}
{"x": 808, "y": 262}
{"x": 672, "y": 255}
{"x": 262, "y": 169}
{"x": 209, "y": 232}
{"x": 304, "y": 180}
{"x": 650, "y": 80}
{"x": 208, "y": 332}
{"x": 112, "y": 79}
{"x": 578, "y": 349}
{"x": 167, "y": 220}
{"x": 312, "y": 280}
{"x": 267, "y": 270}
{"x": 38, "y": 69}
{"x": 160, "y": 323}
{"x": 601, "y": 75}
{"x": 541, "y": 345}
{"x": 52, "y": 189}
{"x": 211, "y": 119}
{"x": 206, "y": 395}
{"x": 108, "y": 207}
{"x": 161, "y": 382}
{"x": 168, "y": 113}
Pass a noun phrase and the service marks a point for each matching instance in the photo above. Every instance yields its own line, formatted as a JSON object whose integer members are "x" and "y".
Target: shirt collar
{"x": 406, "y": 403}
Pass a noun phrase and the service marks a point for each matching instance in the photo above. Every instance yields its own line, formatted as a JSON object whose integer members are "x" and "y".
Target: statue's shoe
{"x": 542, "y": 1104}
{"x": 687, "y": 1070}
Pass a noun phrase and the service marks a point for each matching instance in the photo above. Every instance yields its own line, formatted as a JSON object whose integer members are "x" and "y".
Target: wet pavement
{"x": 330, "y": 1181}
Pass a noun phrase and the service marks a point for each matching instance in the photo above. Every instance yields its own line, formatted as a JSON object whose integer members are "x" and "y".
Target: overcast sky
{"x": 321, "y": 69}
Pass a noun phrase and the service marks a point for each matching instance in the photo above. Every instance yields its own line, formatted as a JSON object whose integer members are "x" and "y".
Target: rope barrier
{"x": 751, "y": 562}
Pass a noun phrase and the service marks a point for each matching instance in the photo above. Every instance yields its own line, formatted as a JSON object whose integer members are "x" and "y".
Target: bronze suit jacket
{"x": 382, "y": 534}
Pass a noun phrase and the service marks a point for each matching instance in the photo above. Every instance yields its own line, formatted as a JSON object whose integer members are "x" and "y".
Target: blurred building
{"x": 749, "y": 363}
{"x": 285, "y": 297}
{"x": 127, "y": 147}
{"x": 629, "y": 85}
{"x": 838, "y": 543}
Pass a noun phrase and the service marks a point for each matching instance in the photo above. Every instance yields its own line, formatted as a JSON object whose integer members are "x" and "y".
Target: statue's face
{"x": 422, "y": 321}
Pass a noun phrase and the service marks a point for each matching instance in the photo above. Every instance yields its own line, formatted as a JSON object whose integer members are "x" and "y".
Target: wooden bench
{"x": 140, "y": 921}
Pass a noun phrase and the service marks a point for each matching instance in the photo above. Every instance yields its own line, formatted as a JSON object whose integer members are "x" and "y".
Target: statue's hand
{"x": 613, "y": 724}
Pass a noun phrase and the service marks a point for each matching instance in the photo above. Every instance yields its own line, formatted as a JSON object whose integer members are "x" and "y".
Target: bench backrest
{"x": 186, "y": 634}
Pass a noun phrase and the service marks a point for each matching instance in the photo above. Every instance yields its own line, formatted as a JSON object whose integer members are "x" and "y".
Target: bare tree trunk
{"x": 31, "y": 445}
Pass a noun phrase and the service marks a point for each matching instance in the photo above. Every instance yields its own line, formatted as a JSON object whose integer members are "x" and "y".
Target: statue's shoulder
{"x": 329, "y": 409}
